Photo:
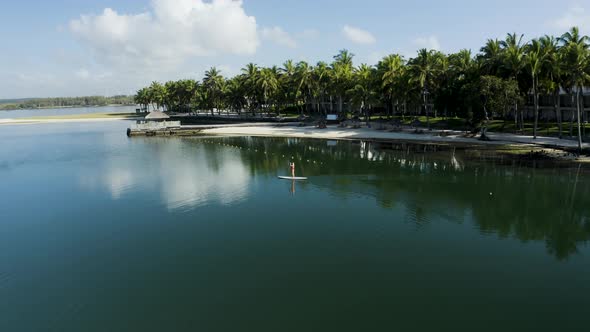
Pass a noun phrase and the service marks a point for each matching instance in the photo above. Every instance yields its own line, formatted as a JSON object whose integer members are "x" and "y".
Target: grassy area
{"x": 85, "y": 116}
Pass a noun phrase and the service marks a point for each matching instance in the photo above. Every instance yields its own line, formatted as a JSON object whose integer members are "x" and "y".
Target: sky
{"x": 107, "y": 47}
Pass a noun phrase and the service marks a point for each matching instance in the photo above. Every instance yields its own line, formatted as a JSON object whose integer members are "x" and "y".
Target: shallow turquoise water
{"x": 99, "y": 232}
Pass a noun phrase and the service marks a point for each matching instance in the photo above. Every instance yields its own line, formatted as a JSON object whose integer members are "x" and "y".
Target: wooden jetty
{"x": 175, "y": 129}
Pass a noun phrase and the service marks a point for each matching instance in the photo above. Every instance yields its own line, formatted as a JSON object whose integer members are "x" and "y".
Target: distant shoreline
{"x": 59, "y": 107}
{"x": 91, "y": 117}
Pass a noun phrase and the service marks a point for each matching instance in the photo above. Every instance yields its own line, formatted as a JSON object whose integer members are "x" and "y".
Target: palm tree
{"x": 170, "y": 101}
{"x": 344, "y": 57}
{"x": 491, "y": 55}
{"x": 424, "y": 69}
{"x": 268, "y": 83}
{"x": 320, "y": 79}
{"x": 363, "y": 90}
{"x": 157, "y": 95}
{"x": 534, "y": 61}
{"x": 461, "y": 70}
{"x": 390, "y": 70}
{"x": 341, "y": 75}
{"x": 513, "y": 63}
{"x": 187, "y": 90}
{"x": 249, "y": 78}
{"x": 442, "y": 83}
{"x": 213, "y": 83}
{"x": 576, "y": 61}
{"x": 552, "y": 74}
{"x": 287, "y": 82}
{"x": 234, "y": 94}
{"x": 304, "y": 82}
{"x": 200, "y": 98}
{"x": 142, "y": 98}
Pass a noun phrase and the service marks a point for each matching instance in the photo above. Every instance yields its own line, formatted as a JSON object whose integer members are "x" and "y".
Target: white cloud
{"x": 358, "y": 36}
{"x": 82, "y": 73}
{"x": 574, "y": 16}
{"x": 429, "y": 43}
{"x": 168, "y": 33}
{"x": 279, "y": 36}
{"x": 91, "y": 75}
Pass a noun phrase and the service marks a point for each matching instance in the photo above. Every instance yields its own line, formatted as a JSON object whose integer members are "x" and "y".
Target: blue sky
{"x": 69, "y": 48}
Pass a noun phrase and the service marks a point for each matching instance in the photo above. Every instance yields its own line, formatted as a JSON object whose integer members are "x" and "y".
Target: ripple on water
{"x": 189, "y": 200}
{"x": 67, "y": 313}
{"x": 416, "y": 215}
{"x": 6, "y": 279}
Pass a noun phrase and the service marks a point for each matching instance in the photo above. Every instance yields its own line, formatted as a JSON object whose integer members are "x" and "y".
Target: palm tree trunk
{"x": 331, "y": 105}
{"x": 515, "y": 117}
{"x": 579, "y": 118}
{"x": 522, "y": 120}
{"x": 536, "y": 106}
{"x": 572, "y": 117}
{"x": 484, "y": 127}
{"x": 393, "y": 107}
{"x": 426, "y": 110}
{"x": 557, "y": 106}
{"x": 404, "y": 111}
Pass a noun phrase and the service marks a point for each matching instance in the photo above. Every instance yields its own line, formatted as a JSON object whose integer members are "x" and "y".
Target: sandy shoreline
{"x": 497, "y": 139}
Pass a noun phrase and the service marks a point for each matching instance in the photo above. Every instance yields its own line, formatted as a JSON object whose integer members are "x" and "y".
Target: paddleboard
{"x": 292, "y": 178}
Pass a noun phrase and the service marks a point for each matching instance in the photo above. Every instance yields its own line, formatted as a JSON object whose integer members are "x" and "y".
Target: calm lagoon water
{"x": 99, "y": 232}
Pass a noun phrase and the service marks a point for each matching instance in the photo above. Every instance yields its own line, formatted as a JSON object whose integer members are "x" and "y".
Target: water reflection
{"x": 422, "y": 183}
{"x": 433, "y": 183}
{"x": 185, "y": 174}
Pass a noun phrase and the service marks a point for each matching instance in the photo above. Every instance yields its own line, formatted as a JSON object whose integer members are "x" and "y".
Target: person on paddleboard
{"x": 292, "y": 167}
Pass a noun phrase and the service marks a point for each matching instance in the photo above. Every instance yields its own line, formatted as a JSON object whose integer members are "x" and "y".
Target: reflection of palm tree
{"x": 438, "y": 185}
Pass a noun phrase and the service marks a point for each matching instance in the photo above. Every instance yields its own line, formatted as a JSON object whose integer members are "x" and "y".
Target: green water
{"x": 99, "y": 232}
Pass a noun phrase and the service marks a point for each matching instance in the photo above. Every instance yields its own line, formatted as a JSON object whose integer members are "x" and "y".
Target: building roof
{"x": 157, "y": 115}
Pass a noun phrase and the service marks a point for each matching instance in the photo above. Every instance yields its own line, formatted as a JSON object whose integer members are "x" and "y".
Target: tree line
{"x": 497, "y": 82}
{"x": 68, "y": 102}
